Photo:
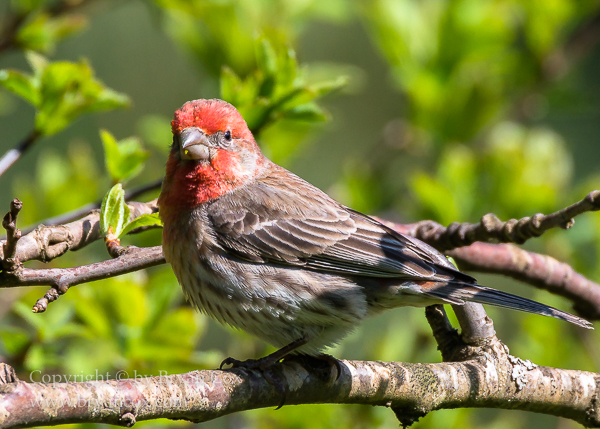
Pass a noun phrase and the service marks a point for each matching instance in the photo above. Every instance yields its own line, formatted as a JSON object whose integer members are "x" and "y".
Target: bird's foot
{"x": 270, "y": 369}
{"x": 250, "y": 364}
{"x": 323, "y": 363}
{"x": 333, "y": 362}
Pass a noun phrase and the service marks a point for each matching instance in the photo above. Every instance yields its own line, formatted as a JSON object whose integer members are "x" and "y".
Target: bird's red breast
{"x": 188, "y": 184}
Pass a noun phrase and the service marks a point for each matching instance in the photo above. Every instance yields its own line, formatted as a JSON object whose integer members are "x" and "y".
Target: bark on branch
{"x": 492, "y": 229}
{"x": 492, "y": 379}
{"x": 45, "y": 243}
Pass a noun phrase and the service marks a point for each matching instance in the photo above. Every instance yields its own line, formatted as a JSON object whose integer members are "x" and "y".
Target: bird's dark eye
{"x": 227, "y": 135}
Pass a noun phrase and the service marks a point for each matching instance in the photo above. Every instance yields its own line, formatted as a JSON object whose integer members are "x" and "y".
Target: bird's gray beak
{"x": 194, "y": 144}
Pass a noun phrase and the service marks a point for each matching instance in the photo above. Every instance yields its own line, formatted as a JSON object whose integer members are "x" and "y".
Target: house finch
{"x": 258, "y": 248}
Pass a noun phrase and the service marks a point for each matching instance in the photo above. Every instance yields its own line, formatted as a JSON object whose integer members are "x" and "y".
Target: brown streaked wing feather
{"x": 300, "y": 225}
{"x": 259, "y": 224}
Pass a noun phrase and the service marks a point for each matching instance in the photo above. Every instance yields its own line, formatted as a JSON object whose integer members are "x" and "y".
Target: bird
{"x": 256, "y": 247}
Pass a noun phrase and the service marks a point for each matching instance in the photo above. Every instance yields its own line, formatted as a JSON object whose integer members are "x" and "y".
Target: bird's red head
{"x": 213, "y": 153}
{"x": 211, "y": 116}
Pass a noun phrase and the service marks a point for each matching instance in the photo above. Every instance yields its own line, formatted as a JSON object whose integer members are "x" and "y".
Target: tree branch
{"x": 475, "y": 324}
{"x": 492, "y": 379}
{"x": 492, "y": 229}
{"x": 13, "y": 23}
{"x": 61, "y": 279}
{"x": 49, "y": 242}
{"x": 130, "y": 194}
{"x": 10, "y": 262}
{"x": 13, "y": 155}
{"x": 541, "y": 271}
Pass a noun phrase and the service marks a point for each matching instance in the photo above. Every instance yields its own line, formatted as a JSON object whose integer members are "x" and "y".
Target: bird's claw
{"x": 266, "y": 367}
{"x": 235, "y": 363}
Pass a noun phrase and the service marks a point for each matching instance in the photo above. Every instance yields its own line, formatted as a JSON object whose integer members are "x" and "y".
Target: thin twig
{"x": 491, "y": 229}
{"x": 9, "y": 261}
{"x": 13, "y": 23}
{"x": 445, "y": 335}
{"x": 10, "y": 157}
{"x": 83, "y": 210}
{"x": 61, "y": 279}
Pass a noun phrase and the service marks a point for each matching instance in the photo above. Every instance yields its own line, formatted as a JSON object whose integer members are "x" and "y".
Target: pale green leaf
{"x": 114, "y": 213}
{"x": 124, "y": 159}
{"x": 143, "y": 220}
{"x": 20, "y": 84}
{"x": 308, "y": 112}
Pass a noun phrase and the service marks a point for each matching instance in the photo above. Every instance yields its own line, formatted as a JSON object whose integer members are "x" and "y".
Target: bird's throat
{"x": 188, "y": 184}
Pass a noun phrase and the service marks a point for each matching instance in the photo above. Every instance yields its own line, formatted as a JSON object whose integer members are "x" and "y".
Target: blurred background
{"x": 405, "y": 109}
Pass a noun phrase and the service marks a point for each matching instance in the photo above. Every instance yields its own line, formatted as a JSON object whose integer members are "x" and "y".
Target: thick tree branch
{"x": 483, "y": 374}
{"x": 49, "y": 242}
{"x": 493, "y": 379}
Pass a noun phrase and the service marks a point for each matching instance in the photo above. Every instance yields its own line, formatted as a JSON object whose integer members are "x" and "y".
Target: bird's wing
{"x": 297, "y": 224}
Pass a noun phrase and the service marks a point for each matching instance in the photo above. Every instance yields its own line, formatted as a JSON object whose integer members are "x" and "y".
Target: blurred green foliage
{"x": 471, "y": 123}
{"x": 60, "y": 92}
{"x": 124, "y": 159}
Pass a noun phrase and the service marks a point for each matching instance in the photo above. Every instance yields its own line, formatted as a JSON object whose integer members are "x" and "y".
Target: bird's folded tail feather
{"x": 458, "y": 293}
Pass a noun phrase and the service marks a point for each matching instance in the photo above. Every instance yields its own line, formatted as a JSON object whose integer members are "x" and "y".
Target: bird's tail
{"x": 456, "y": 292}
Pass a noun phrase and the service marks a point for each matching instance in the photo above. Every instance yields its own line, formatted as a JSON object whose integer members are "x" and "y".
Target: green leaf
{"x": 124, "y": 159}
{"x": 266, "y": 57}
{"x": 69, "y": 90}
{"x": 231, "y": 85}
{"x": 324, "y": 88}
{"x": 114, "y": 213}
{"x": 452, "y": 261}
{"x": 37, "y": 62}
{"x": 143, "y": 220}
{"x": 267, "y": 63}
{"x": 21, "y": 84}
{"x": 308, "y": 112}
{"x": 43, "y": 32}
{"x": 288, "y": 69}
